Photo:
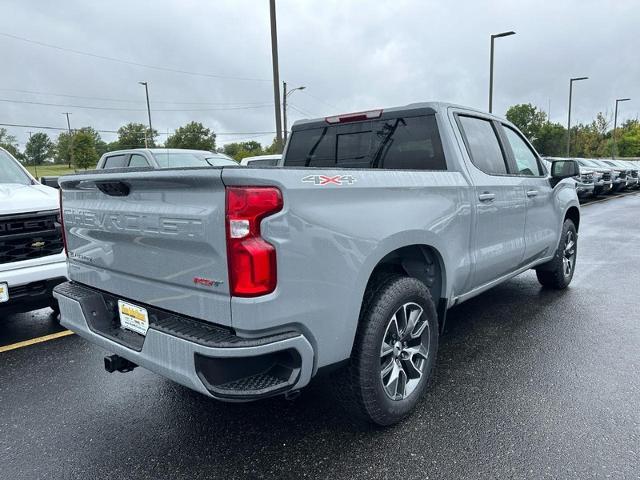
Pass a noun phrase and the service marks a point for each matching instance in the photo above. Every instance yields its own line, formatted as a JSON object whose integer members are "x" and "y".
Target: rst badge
{"x": 329, "y": 180}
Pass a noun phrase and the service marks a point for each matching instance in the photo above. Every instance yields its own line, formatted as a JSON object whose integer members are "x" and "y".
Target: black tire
{"x": 361, "y": 388}
{"x": 553, "y": 274}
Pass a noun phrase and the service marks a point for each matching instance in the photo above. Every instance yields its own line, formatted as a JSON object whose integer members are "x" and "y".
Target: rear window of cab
{"x": 402, "y": 143}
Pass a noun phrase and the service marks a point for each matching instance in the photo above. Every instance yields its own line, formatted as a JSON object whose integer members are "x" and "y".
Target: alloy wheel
{"x": 569, "y": 254}
{"x": 404, "y": 351}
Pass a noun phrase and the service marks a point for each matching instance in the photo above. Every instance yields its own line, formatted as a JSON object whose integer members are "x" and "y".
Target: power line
{"x": 130, "y": 62}
{"x": 47, "y": 127}
{"x": 319, "y": 100}
{"x": 95, "y": 107}
{"x": 301, "y": 111}
{"x": 122, "y": 100}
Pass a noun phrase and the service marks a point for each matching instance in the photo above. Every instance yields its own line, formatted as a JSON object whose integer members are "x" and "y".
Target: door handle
{"x": 486, "y": 197}
{"x": 532, "y": 193}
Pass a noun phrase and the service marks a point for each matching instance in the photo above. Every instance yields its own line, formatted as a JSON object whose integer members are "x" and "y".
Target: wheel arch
{"x": 422, "y": 261}
{"x": 573, "y": 214}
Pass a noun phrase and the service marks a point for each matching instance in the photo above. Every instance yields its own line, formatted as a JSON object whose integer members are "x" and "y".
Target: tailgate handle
{"x": 114, "y": 189}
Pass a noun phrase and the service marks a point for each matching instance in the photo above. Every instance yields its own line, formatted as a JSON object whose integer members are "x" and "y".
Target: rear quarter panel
{"x": 329, "y": 238}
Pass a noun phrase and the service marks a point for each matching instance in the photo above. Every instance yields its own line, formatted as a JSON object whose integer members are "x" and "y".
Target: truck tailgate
{"x": 153, "y": 237}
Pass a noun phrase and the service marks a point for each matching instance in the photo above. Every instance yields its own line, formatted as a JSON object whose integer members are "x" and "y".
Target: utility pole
{"x": 276, "y": 75}
{"x": 285, "y": 94}
{"x": 571, "y": 80}
{"x": 493, "y": 37}
{"x": 35, "y": 165}
{"x": 70, "y": 137}
{"x": 146, "y": 90}
{"x": 614, "y": 149}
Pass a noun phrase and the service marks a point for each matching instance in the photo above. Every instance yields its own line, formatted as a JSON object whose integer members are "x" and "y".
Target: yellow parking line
{"x": 33, "y": 341}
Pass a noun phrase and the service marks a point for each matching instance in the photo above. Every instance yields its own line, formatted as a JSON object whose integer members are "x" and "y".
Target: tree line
{"x": 588, "y": 140}
{"x": 83, "y": 147}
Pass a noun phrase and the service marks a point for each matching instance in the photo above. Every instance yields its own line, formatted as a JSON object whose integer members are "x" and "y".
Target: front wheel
{"x": 558, "y": 272}
{"x": 394, "y": 351}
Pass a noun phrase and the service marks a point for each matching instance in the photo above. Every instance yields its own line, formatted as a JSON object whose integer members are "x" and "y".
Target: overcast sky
{"x": 351, "y": 55}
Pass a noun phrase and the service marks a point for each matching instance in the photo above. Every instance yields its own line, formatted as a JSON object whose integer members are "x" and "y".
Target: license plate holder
{"x": 133, "y": 317}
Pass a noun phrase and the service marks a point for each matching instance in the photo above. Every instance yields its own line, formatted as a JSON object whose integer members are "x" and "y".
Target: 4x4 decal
{"x": 327, "y": 180}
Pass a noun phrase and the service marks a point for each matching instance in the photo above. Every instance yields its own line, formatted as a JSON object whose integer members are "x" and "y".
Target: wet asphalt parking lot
{"x": 530, "y": 383}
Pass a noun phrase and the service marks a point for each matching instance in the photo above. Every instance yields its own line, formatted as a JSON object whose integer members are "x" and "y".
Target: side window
{"x": 526, "y": 160}
{"x": 114, "y": 161}
{"x": 138, "y": 160}
{"x": 483, "y": 145}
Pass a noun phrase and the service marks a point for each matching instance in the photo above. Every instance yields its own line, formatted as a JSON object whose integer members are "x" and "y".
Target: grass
{"x": 51, "y": 170}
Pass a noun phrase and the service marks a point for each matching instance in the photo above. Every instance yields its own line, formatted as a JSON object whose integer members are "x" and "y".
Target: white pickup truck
{"x": 32, "y": 259}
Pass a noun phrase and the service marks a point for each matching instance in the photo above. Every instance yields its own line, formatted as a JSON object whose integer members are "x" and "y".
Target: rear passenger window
{"x": 526, "y": 160}
{"x": 482, "y": 145}
{"x": 409, "y": 143}
{"x": 114, "y": 161}
{"x": 138, "y": 160}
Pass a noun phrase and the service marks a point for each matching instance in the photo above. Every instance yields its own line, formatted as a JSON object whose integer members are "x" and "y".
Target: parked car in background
{"x": 50, "y": 181}
{"x": 261, "y": 161}
{"x": 633, "y": 170}
{"x": 602, "y": 183}
{"x": 584, "y": 181}
{"x": 32, "y": 259}
{"x": 163, "y": 158}
{"x": 618, "y": 176}
{"x": 244, "y": 283}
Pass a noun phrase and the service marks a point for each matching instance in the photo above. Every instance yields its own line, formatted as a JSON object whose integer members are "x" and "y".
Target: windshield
{"x": 219, "y": 161}
{"x": 10, "y": 171}
{"x": 180, "y": 159}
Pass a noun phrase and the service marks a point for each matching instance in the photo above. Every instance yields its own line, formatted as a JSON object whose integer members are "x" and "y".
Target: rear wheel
{"x": 558, "y": 272}
{"x": 394, "y": 351}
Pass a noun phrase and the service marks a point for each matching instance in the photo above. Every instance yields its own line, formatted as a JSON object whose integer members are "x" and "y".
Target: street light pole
{"x": 276, "y": 74}
{"x": 285, "y": 94}
{"x": 70, "y": 137}
{"x": 614, "y": 149}
{"x": 493, "y": 37}
{"x": 571, "y": 80}
{"x": 146, "y": 90}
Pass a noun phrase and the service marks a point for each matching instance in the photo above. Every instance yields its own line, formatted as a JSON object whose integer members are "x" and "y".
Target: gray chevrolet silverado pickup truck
{"x": 243, "y": 283}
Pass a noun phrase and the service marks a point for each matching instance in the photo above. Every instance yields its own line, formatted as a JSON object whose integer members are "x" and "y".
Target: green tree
{"x": 65, "y": 140}
{"x": 100, "y": 145}
{"x": 62, "y": 149}
{"x": 274, "y": 148}
{"x": 9, "y": 143}
{"x": 192, "y": 135}
{"x": 551, "y": 140}
{"x": 84, "y": 150}
{"x": 132, "y": 135}
{"x": 628, "y": 139}
{"x": 38, "y": 149}
{"x": 240, "y": 150}
{"x": 527, "y": 118}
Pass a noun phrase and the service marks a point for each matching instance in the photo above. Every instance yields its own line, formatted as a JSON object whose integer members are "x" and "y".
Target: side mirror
{"x": 564, "y": 169}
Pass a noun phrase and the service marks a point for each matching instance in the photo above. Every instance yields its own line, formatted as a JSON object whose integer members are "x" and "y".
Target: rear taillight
{"x": 251, "y": 259}
{"x": 61, "y": 219}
